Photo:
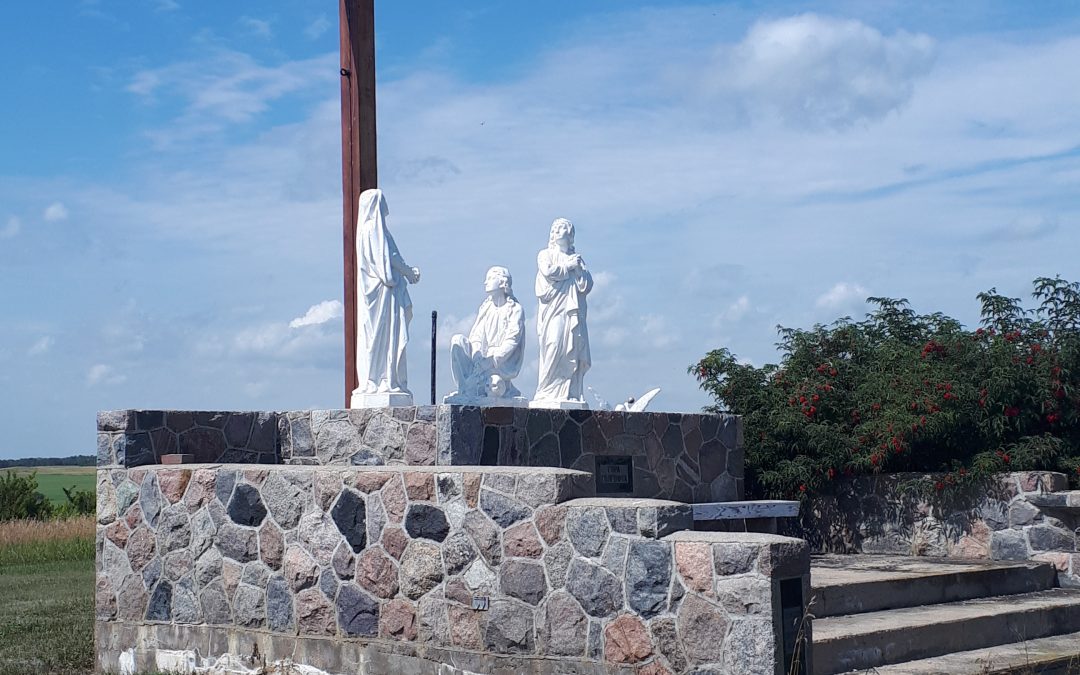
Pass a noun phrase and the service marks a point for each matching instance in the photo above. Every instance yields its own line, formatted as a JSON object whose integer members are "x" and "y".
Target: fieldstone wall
{"x": 488, "y": 568}
{"x": 684, "y": 457}
{"x": 1012, "y": 518}
{"x": 138, "y": 437}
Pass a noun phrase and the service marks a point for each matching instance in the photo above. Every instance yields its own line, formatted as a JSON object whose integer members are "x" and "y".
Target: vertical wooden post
{"x": 359, "y": 170}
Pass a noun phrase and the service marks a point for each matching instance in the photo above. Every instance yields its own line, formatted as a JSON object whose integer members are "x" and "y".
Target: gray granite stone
{"x": 523, "y": 580}
{"x": 557, "y": 560}
{"x": 185, "y": 606}
{"x": 509, "y": 629}
{"x": 458, "y": 553}
{"x": 285, "y": 495}
{"x": 160, "y": 605}
{"x": 174, "y": 530}
{"x": 357, "y": 612}
{"x": 648, "y": 575}
{"x": 503, "y": 510}
{"x": 150, "y": 499}
{"x": 279, "y": 606}
{"x": 239, "y": 543}
{"x": 215, "y": 605}
{"x": 249, "y": 606}
{"x": 421, "y": 569}
{"x": 485, "y": 536}
{"x": 563, "y": 627}
{"x": 588, "y": 530}
{"x": 597, "y": 590}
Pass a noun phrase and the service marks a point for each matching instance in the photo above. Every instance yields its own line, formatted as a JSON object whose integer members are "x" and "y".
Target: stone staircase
{"x": 900, "y": 615}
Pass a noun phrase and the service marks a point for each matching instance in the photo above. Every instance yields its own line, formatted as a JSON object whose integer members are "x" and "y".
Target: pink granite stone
{"x": 314, "y": 613}
{"x": 551, "y": 521}
{"x": 173, "y": 483}
{"x": 271, "y": 545}
{"x": 394, "y": 540}
{"x": 521, "y": 541}
{"x": 694, "y": 562}
{"x": 376, "y": 572}
{"x": 370, "y": 481}
{"x": 397, "y": 620}
{"x": 201, "y": 489}
{"x": 626, "y": 640}
{"x": 393, "y": 496}
{"x": 420, "y": 486}
{"x": 464, "y": 627}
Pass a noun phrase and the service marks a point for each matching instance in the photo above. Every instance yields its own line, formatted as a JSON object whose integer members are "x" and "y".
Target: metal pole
{"x": 434, "y": 351}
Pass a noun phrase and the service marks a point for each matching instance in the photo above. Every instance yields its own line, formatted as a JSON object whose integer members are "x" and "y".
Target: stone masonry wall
{"x": 138, "y": 437}
{"x": 996, "y": 520}
{"x": 395, "y": 558}
{"x": 684, "y": 457}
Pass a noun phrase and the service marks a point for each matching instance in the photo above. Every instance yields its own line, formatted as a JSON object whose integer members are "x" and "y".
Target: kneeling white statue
{"x": 485, "y": 363}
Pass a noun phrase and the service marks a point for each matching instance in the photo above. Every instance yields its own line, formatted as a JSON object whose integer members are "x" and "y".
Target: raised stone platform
{"x": 402, "y": 568}
{"x": 684, "y": 457}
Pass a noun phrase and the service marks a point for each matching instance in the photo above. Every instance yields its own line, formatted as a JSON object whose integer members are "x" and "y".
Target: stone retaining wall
{"x": 683, "y": 457}
{"x": 396, "y": 558}
{"x": 994, "y": 520}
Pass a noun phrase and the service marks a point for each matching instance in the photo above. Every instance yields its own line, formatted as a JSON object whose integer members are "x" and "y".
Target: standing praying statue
{"x": 562, "y": 282}
{"x": 384, "y": 309}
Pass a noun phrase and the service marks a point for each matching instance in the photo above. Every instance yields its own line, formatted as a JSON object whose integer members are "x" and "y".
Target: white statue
{"x": 485, "y": 363}
{"x": 384, "y": 309}
{"x": 562, "y": 282}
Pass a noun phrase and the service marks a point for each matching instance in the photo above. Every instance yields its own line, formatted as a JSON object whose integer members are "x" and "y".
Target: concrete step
{"x": 1057, "y": 655}
{"x": 849, "y": 584}
{"x": 872, "y": 639}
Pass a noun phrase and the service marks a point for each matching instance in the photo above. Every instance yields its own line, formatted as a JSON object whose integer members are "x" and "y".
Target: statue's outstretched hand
{"x": 413, "y": 275}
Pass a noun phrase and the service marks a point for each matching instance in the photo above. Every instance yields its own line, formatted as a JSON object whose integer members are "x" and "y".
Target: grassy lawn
{"x": 53, "y": 479}
{"x": 47, "y": 598}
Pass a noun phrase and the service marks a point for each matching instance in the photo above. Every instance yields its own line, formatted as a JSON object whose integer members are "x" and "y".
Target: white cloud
{"x": 55, "y": 212}
{"x": 258, "y": 27}
{"x": 736, "y": 310}
{"x": 166, "y": 5}
{"x": 842, "y": 295}
{"x": 318, "y": 314}
{"x": 43, "y": 345}
{"x": 11, "y": 228}
{"x": 820, "y": 71}
{"x": 316, "y": 28}
{"x": 103, "y": 374}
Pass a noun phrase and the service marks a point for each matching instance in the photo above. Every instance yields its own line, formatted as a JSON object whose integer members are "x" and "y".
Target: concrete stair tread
{"x": 867, "y": 623}
{"x": 1057, "y": 653}
{"x": 873, "y": 639}
{"x": 849, "y": 584}
{"x": 837, "y": 570}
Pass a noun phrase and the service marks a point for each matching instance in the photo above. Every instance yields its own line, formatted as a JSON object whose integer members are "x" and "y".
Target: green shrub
{"x": 901, "y": 391}
{"x": 79, "y": 503}
{"x": 19, "y": 497}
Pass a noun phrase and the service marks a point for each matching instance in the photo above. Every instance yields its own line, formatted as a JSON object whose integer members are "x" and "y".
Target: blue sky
{"x": 170, "y": 182}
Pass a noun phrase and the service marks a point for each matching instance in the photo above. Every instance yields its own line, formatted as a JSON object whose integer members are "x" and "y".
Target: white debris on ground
{"x": 188, "y": 662}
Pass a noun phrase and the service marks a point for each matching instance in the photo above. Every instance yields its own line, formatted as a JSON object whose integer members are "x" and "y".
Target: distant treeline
{"x": 74, "y": 460}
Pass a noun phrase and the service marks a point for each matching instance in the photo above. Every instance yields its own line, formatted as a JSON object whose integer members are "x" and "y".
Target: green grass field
{"x": 46, "y": 599}
{"x": 53, "y": 479}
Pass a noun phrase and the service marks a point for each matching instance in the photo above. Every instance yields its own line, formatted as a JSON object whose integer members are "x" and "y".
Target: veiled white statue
{"x": 562, "y": 282}
{"x": 485, "y": 362}
{"x": 384, "y": 309}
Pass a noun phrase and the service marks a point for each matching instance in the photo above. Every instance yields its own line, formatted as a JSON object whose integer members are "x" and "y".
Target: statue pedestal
{"x": 487, "y": 401}
{"x": 560, "y": 405}
{"x": 383, "y": 400}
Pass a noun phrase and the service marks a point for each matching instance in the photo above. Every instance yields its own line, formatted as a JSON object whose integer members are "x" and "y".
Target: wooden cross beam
{"x": 359, "y": 170}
